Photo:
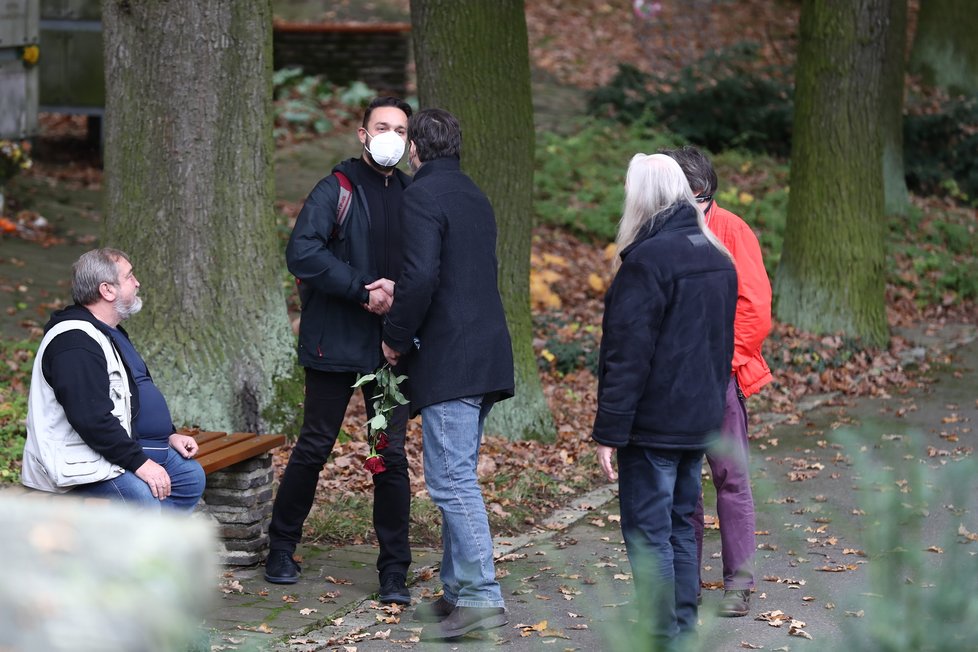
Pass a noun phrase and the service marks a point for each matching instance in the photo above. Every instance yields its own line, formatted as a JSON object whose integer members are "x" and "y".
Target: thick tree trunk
{"x": 897, "y": 199}
{"x": 473, "y": 60}
{"x": 945, "y": 49}
{"x": 188, "y": 156}
{"x": 831, "y": 275}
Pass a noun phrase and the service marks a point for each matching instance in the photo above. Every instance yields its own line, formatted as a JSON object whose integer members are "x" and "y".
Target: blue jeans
{"x": 452, "y": 436}
{"x": 186, "y": 486}
{"x": 658, "y": 490}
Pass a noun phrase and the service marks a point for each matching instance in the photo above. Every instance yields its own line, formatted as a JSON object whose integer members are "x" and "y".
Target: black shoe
{"x": 734, "y": 604}
{"x": 393, "y": 590}
{"x": 280, "y": 568}
{"x": 464, "y": 620}
{"x": 434, "y": 611}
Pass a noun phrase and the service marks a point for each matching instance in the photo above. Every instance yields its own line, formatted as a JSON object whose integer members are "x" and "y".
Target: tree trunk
{"x": 897, "y": 199}
{"x": 945, "y": 49}
{"x": 473, "y": 60}
{"x": 188, "y": 155}
{"x": 831, "y": 275}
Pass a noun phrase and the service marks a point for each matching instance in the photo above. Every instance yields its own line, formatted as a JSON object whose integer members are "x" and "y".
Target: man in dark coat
{"x": 346, "y": 270}
{"x": 447, "y": 321}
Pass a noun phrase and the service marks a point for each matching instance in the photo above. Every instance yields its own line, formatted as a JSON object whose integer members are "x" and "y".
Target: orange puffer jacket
{"x": 753, "y": 320}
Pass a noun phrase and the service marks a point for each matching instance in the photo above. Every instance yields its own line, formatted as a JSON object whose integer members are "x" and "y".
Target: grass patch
{"x": 14, "y": 381}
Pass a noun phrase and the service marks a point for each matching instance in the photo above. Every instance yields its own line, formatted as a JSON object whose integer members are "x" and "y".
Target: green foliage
{"x": 579, "y": 178}
{"x": 917, "y": 600}
{"x": 579, "y": 182}
{"x": 570, "y": 346}
{"x": 939, "y": 149}
{"x": 388, "y": 398}
{"x": 936, "y": 257}
{"x": 311, "y": 104}
{"x": 726, "y": 100}
{"x": 14, "y": 381}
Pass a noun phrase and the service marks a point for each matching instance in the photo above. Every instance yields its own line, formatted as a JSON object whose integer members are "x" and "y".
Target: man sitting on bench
{"x": 96, "y": 424}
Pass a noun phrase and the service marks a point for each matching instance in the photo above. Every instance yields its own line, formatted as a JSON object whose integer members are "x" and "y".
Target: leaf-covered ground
{"x": 580, "y": 42}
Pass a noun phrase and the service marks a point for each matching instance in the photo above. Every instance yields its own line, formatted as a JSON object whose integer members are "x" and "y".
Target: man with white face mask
{"x": 345, "y": 252}
{"x": 97, "y": 425}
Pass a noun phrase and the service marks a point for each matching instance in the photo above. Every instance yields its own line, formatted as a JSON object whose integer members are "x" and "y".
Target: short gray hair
{"x": 91, "y": 270}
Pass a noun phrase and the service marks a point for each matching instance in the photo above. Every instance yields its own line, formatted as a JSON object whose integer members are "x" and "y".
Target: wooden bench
{"x": 219, "y": 450}
{"x": 239, "y": 490}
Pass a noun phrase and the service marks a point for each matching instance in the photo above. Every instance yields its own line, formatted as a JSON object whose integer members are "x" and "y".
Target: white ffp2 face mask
{"x": 386, "y": 149}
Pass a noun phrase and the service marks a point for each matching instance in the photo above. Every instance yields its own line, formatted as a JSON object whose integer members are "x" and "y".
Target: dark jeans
{"x": 658, "y": 490}
{"x": 327, "y": 397}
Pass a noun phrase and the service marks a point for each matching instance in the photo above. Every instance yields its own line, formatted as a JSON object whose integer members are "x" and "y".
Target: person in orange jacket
{"x": 752, "y": 323}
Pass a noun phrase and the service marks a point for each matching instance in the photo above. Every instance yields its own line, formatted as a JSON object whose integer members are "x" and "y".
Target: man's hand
{"x": 604, "y": 458}
{"x": 156, "y": 477}
{"x": 381, "y": 295}
{"x": 389, "y": 353}
{"x": 384, "y": 284}
{"x": 184, "y": 444}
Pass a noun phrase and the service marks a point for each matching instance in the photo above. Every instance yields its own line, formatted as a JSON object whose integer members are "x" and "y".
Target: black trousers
{"x": 327, "y": 397}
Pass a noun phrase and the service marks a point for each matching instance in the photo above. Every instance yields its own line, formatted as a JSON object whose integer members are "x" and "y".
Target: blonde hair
{"x": 653, "y": 183}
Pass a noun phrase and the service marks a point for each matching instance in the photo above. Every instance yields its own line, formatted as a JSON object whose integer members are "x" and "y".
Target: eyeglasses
{"x": 702, "y": 199}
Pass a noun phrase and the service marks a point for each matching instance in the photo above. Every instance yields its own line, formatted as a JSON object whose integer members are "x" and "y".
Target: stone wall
{"x": 374, "y": 54}
{"x": 239, "y": 498}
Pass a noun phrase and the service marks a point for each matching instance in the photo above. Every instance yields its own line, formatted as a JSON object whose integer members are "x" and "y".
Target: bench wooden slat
{"x": 204, "y": 437}
{"x": 218, "y": 453}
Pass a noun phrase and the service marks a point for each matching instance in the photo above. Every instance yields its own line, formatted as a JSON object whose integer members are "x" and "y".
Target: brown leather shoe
{"x": 434, "y": 611}
{"x": 464, "y": 620}
{"x": 734, "y": 604}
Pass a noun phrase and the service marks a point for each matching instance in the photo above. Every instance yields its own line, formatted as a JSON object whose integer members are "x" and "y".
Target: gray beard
{"x": 125, "y": 311}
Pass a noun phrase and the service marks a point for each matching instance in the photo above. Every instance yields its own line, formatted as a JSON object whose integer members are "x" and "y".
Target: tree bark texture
{"x": 945, "y": 49}
{"x": 472, "y": 59}
{"x": 831, "y": 274}
{"x": 897, "y": 198}
{"x": 188, "y": 157}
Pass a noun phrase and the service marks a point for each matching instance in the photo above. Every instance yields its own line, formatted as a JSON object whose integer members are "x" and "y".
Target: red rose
{"x": 375, "y": 464}
{"x": 382, "y": 442}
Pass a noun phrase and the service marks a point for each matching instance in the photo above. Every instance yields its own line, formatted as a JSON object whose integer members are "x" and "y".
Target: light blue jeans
{"x": 186, "y": 486}
{"x": 452, "y": 436}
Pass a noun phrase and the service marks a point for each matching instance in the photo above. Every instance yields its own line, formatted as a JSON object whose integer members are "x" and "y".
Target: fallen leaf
{"x": 307, "y": 611}
{"x": 750, "y": 646}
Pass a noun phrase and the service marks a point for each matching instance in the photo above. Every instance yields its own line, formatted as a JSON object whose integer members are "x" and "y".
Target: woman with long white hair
{"x": 663, "y": 371}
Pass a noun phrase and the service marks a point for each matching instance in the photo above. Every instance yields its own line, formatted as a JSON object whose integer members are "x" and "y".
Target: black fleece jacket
{"x": 75, "y": 367}
{"x": 667, "y": 339}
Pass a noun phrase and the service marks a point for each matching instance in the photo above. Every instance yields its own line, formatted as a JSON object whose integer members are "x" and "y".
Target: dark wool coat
{"x": 447, "y": 315}
{"x": 332, "y": 266}
{"x": 667, "y": 339}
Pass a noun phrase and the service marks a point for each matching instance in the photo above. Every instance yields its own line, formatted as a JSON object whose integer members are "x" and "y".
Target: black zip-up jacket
{"x": 74, "y": 365}
{"x": 667, "y": 339}
{"x": 336, "y": 333}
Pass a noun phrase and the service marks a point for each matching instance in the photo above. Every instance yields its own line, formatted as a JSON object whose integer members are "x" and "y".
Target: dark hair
{"x": 386, "y": 100}
{"x": 435, "y": 134}
{"x": 699, "y": 171}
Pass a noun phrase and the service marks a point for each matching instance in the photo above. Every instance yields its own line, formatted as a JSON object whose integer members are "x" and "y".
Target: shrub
{"x": 939, "y": 149}
{"x": 726, "y": 100}
{"x": 14, "y": 380}
{"x": 579, "y": 179}
{"x": 310, "y": 104}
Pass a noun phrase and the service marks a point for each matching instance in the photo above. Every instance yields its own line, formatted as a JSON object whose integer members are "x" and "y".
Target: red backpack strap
{"x": 346, "y": 196}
